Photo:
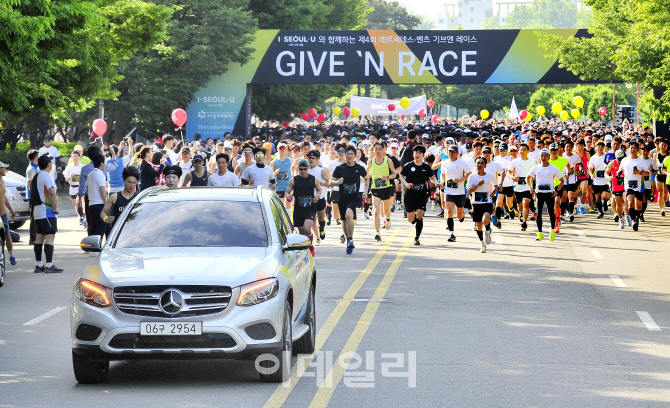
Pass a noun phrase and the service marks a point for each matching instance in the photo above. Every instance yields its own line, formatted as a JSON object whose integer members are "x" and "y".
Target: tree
{"x": 390, "y": 15}
{"x": 542, "y": 14}
{"x": 595, "y": 97}
{"x": 57, "y": 56}
{"x": 630, "y": 43}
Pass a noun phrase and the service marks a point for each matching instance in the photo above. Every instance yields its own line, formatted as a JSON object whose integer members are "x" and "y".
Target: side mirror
{"x": 91, "y": 243}
{"x": 296, "y": 242}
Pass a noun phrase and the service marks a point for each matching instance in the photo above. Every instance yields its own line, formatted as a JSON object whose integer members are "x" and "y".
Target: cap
{"x": 366, "y": 143}
{"x": 175, "y": 169}
{"x": 468, "y": 145}
{"x": 3, "y": 165}
{"x": 513, "y": 147}
{"x": 227, "y": 144}
{"x": 78, "y": 147}
{"x": 267, "y": 145}
{"x": 282, "y": 145}
{"x": 185, "y": 149}
{"x": 503, "y": 147}
{"x": 545, "y": 151}
{"x": 394, "y": 145}
{"x": 648, "y": 146}
{"x": 353, "y": 139}
{"x": 620, "y": 154}
{"x": 44, "y": 160}
{"x": 486, "y": 150}
{"x": 450, "y": 139}
{"x": 303, "y": 163}
{"x": 198, "y": 157}
{"x": 453, "y": 148}
{"x": 425, "y": 136}
{"x": 419, "y": 148}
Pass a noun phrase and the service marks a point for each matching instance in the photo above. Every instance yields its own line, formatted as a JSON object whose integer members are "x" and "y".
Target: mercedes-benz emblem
{"x": 171, "y": 302}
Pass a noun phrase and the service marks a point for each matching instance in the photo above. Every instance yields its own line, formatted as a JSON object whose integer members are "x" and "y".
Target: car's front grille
{"x": 21, "y": 190}
{"x": 134, "y": 341}
{"x": 198, "y": 300}
{"x": 261, "y": 331}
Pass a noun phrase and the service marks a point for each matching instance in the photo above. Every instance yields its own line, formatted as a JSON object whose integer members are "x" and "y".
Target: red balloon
{"x": 523, "y": 114}
{"x": 312, "y": 113}
{"x": 422, "y": 113}
{"x": 602, "y": 111}
{"x": 321, "y": 118}
{"x": 391, "y": 107}
{"x": 179, "y": 117}
{"x": 435, "y": 118}
{"x": 304, "y": 116}
{"x": 285, "y": 124}
{"x": 346, "y": 111}
{"x": 99, "y": 127}
{"x": 402, "y": 117}
{"x": 430, "y": 103}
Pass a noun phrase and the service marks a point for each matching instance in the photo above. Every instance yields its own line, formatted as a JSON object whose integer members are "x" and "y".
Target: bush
{"x": 17, "y": 159}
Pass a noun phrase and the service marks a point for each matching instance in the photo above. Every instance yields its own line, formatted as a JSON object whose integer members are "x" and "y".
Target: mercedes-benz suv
{"x": 196, "y": 273}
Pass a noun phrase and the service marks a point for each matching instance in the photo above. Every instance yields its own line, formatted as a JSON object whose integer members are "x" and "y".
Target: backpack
{"x": 34, "y": 194}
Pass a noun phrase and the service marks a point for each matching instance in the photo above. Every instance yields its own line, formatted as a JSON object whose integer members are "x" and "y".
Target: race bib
{"x": 305, "y": 201}
{"x": 481, "y": 197}
{"x": 521, "y": 182}
{"x": 282, "y": 175}
{"x": 75, "y": 179}
{"x": 632, "y": 183}
{"x": 619, "y": 180}
{"x": 544, "y": 187}
{"x": 349, "y": 188}
{"x": 600, "y": 173}
{"x": 417, "y": 187}
{"x": 379, "y": 183}
{"x": 451, "y": 184}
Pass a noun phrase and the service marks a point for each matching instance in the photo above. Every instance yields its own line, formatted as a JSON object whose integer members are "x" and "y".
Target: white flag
{"x": 513, "y": 111}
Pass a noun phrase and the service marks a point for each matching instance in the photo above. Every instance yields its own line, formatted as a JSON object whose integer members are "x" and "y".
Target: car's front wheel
{"x": 89, "y": 372}
{"x": 307, "y": 343}
{"x": 280, "y": 370}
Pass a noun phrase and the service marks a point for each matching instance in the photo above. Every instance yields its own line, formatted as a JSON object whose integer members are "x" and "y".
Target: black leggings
{"x": 542, "y": 199}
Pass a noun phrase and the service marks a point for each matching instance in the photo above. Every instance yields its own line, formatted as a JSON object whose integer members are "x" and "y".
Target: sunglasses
{"x": 340, "y": 151}
{"x": 248, "y": 152}
{"x": 282, "y": 148}
{"x": 303, "y": 168}
{"x": 228, "y": 150}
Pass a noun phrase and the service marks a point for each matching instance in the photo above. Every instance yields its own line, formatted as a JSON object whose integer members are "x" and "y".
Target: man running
{"x": 617, "y": 179}
{"x": 3, "y": 212}
{"x": 650, "y": 167}
{"x": 303, "y": 187}
{"x": 381, "y": 171}
{"x": 172, "y": 176}
{"x": 597, "y": 168}
{"x": 281, "y": 166}
{"x": 518, "y": 171}
{"x": 545, "y": 176}
{"x": 632, "y": 168}
{"x": 348, "y": 177}
{"x": 573, "y": 184}
{"x": 223, "y": 177}
{"x": 414, "y": 177}
{"x": 480, "y": 184}
{"x": 661, "y": 178}
{"x": 561, "y": 197}
{"x": 117, "y": 202}
{"x": 322, "y": 175}
{"x": 454, "y": 174}
{"x": 199, "y": 176}
{"x": 258, "y": 174}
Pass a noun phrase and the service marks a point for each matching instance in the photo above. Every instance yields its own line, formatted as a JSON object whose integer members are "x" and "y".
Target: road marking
{"x": 498, "y": 239}
{"x": 596, "y": 254}
{"x": 324, "y": 394}
{"x": 44, "y": 316}
{"x": 648, "y": 321}
{"x": 580, "y": 234}
{"x": 282, "y": 392}
{"x": 617, "y": 281}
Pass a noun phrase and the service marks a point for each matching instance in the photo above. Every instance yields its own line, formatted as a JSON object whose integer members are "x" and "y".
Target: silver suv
{"x": 196, "y": 273}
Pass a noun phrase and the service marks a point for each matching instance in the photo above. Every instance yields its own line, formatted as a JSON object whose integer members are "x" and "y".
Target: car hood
{"x": 182, "y": 266}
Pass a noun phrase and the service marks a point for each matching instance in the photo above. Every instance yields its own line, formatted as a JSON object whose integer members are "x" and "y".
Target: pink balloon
{"x": 321, "y": 118}
{"x": 179, "y": 117}
{"x": 402, "y": 117}
{"x": 602, "y": 111}
{"x": 523, "y": 114}
{"x": 430, "y": 103}
{"x": 285, "y": 124}
{"x": 435, "y": 118}
{"x": 346, "y": 111}
{"x": 99, "y": 127}
{"x": 312, "y": 113}
{"x": 422, "y": 113}
{"x": 304, "y": 116}
{"x": 391, "y": 107}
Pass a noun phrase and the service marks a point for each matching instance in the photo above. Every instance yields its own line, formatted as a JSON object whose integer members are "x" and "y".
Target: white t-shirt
{"x": 332, "y": 166}
{"x": 520, "y": 168}
{"x": 649, "y": 165}
{"x": 185, "y": 169}
{"x": 317, "y": 173}
{"x": 534, "y": 155}
{"x": 544, "y": 177}
{"x": 482, "y": 195}
{"x": 494, "y": 168}
{"x": 258, "y": 176}
{"x": 44, "y": 183}
{"x": 74, "y": 183}
{"x": 174, "y": 157}
{"x": 454, "y": 170}
{"x": 52, "y": 150}
{"x": 504, "y": 163}
{"x": 94, "y": 181}
{"x": 632, "y": 181}
{"x": 597, "y": 163}
{"x": 573, "y": 160}
{"x": 227, "y": 180}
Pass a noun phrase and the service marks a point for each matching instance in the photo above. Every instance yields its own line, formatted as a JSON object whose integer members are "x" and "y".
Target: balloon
{"x": 402, "y": 117}
{"x": 523, "y": 114}
{"x": 578, "y": 101}
{"x": 179, "y": 117}
{"x": 540, "y": 110}
{"x": 430, "y": 103}
{"x": 304, "y": 116}
{"x": 484, "y": 114}
{"x": 422, "y": 113}
{"x": 564, "y": 115}
{"x": 337, "y": 110}
{"x": 404, "y": 102}
{"x": 100, "y": 126}
{"x": 285, "y": 124}
{"x": 355, "y": 112}
{"x": 346, "y": 111}
{"x": 602, "y": 111}
{"x": 391, "y": 107}
{"x": 321, "y": 117}
{"x": 312, "y": 113}
{"x": 574, "y": 113}
{"x": 435, "y": 119}
{"x": 529, "y": 117}
{"x": 556, "y": 108}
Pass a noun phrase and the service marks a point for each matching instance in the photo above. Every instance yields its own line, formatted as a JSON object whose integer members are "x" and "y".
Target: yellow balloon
{"x": 540, "y": 110}
{"x": 578, "y": 101}
{"x": 575, "y": 113}
{"x": 355, "y": 112}
{"x": 337, "y": 110}
{"x": 556, "y": 108}
{"x": 529, "y": 117}
{"x": 564, "y": 115}
{"x": 484, "y": 114}
{"x": 404, "y": 102}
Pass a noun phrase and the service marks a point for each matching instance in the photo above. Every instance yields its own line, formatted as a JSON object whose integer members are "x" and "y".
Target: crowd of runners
{"x": 334, "y": 174}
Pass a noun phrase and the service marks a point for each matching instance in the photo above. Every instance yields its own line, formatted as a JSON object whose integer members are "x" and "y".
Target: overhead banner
{"x": 374, "y": 57}
{"x": 379, "y": 107}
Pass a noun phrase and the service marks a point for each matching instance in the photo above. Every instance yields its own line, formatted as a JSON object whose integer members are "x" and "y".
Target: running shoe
{"x": 350, "y": 247}
{"x": 388, "y": 225}
{"x": 318, "y": 241}
{"x": 524, "y": 226}
{"x": 328, "y": 223}
{"x": 601, "y": 215}
{"x": 636, "y": 225}
{"x": 616, "y": 218}
{"x": 581, "y": 210}
{"x": 39, "y": 269}
{"x": 81, "y": 221}
{"x": 552, "y": 236}
{"x": 540, "y": 236}
{"x": 572, "y": 216}
{"x": 621, "y": 224}
{"x": 432, "y": 207}
{"x": 663, "y": 212}
{"x": 52, "y": 269}
{"x": 441, "y": 214}
{"x": 342, "y": 239}
{"x": 533, "y": 217}
{"x": 311, "y": 250}
{"x": 483, "y": 250}
{"x": 516, "y": 213}
{"x": 629, "y": 220}
{"x": 494, "y": 220}
{"x": 592, "y": 210}
{"x": 512, "y": 214}
{"x": 378, "y": 236}
{"x": 487, "y": 237}
{"x": 507, "y": 216}
{"x": 366, "y": 216}
{"x": 322, "y": 234}
{"x": 452, "y": 238}
{"x": 404, "y": 215}
{"x": 475, "y": 229}
{"x": 416, "y": 241}
{"x": 557, "y": 229}
{"x": 393, "y": 208}
{"x": 338, "y": 222}
{"x": 520, "y": 220}
{"x": 642, "y": 218}
{"x": 499, "y": 225}
{"x": 12, "y": 260}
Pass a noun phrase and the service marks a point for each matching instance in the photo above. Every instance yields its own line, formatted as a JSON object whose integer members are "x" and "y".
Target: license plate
{"x": 170, "y": 329}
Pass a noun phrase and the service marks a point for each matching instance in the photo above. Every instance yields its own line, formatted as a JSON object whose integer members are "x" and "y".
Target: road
{"x": 582, "y": 321}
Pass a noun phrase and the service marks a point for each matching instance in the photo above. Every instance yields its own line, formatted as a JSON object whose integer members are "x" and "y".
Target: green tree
{"x": 630, "y": 43}
{"x": 390, "y": 15}
{"x": 542, "y": 14}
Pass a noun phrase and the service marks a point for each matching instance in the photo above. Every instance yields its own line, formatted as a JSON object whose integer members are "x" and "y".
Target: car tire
{"x": 16, "y": 225}
{"x": 2, "y": 262}
{"x": 283, "y": 368}
{"x": 89, "y": 372}
{"x": 307, "y": 343}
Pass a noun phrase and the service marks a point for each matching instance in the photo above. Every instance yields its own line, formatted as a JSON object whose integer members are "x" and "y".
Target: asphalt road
{"x": 582, "y": 321}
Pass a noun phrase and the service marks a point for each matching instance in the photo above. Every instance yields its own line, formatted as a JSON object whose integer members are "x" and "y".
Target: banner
{"x": 374, "y": 57}
{"x": 379, "y": 107}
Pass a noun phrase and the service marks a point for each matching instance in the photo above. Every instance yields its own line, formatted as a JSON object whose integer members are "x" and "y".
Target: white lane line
{"x": 596, "y": 254}
{"x": 580, "y": 234}
{"x": 44, "y": 316}
{"x": 498, "y": 239}
{"x": 648, "y": 321}
{"x": 617, "y": 281}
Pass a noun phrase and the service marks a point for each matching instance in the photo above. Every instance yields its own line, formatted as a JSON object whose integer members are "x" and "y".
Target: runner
{"x": 545, "y": 176}
{"x": 259, "y": 174}
{"x": 597, "y": 168}
{"x": 617, "y": 180}
{"x": 506, "y": 183}
{"x": 381, "y": 172}
{"x": 322, "y": 175}
{"x": 43, "y": 192}
{"x": 223, "y": 177}
{"x": 581, "y": 170}
{"x": 303, "y": 187}
{"x": 172, "y": 176}
{"x": 454, "y": 174}
{"x": 518, "y": 171}
{"x": 633, "y": 170}
{"x": 199, "y": 176}
{"x": 662, "y": 177}
{"x": 281, "y": 166}
{"x": 650, "y": 167}
{"x": 72, "y": 174}
{"x": 117, "y": 202}
{"x": 348, "y": 176}
{"x": 3, "y": 213}
{"x": 340, "y": 150}
{"x": 495, "y": 169}
{"x": 415, "y": 176}
{"x": 561, "y": 197}
{"x": 482, "y": 185}
{"x": 572, "y": 186}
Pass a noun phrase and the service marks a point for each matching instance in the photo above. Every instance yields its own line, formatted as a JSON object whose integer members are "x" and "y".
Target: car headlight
{"x": 93, "y": 293}
{"x": 11, "y": 194}
{"x": 258, "y": 292}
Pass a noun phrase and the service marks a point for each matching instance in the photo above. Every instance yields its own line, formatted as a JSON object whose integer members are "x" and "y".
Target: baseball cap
{"x": 354, "y": 139}
{"x": 545, "y": 151}
{"x": 486, "y": 150}
{"x": 425, "y": 136}
{"x": 185, "y": 149}
{"x": 303, "y": 163}
{"x": 44, "y": 160}
{"x": 450, "y": 139}
{"x": 553, "y": 146}
{"x": 394, "y": 145}
{"x": 198, "y": 157}
{"x": 227, "y": 144}
{"x": 175, "y": 169}
{"x": 503, "y": 147}
{"x": 78, "y": 147}
{"x": 620, "y": 154}
{"x": 282, "y": 145}
{"x": 3, "y": 165}
{"x": 648, "y": 146}
{"x": 453, "y": 148}
{"x": 513, "y": 147}
{"x": 267, "y": 145}
{"x": 468, "y": 145}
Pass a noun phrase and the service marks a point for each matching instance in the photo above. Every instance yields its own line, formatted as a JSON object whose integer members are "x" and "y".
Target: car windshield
{"x": 193, "y": 224}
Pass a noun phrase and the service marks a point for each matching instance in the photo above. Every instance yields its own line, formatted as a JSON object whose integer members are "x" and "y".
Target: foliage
{"x": 630, "y": 43}
{"x": 390, "y": 15}
{"x": 542, "y": 14}
{"x": 595, "y": 97}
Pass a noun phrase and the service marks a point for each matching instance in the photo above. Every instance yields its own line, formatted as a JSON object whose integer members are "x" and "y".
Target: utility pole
{"x": 613, "y": 102}
{"x": 101, "y": 108}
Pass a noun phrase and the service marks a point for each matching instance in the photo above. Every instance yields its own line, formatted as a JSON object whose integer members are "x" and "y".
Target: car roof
{"x": 158, "y": 194}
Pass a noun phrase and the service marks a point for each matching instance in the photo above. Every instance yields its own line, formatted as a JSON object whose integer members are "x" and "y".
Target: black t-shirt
{"x": 396, "y": 162}
{"x": 352, "y": 177}
{"x": 418, "y": 176}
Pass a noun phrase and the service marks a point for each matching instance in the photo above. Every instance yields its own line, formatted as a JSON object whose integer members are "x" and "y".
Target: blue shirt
{"x": 85, "y": 171}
